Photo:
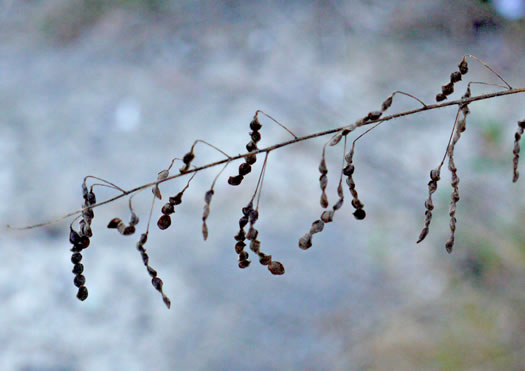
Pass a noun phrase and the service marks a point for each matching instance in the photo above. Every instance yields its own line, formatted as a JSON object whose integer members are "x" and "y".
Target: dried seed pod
{"x": 83, "y": 243}
{"x": 241, "y": 236}
{"x": 243, "y": 255}
{"x": 208, "y": 196}
{"x": 121, "y": 227}
{"x": 235, "y": 180}
{"x": 305, "y": 242}
{"x": 248, "y": 209}
{"x": 167, "y": 209}
{"x": 429, "y": 206}
{"x": 152, "y": 272}
{"x": 253, "y": 216}
{"x": 359, "y": 214}
{"x": 323, "y": 181}
{"x": 204, "y": 231}
{"x": 244, "y": 169}
{"x": 134, "y": 219}
{"x": 188, "y": 158}
{"x": 276, "y": 268}
{"x": 455, "y": 77}
{"x": 82, "y": 293}
{"x": 164, "y": 222}
{"x": 243, "y": 221}
{"x": 460, "y": 127}
{"x": 85, "y": 229}
{"x": 244, "y": 264}
{"x": 256, "y": 136}
{"x": 255, "y": 246}
{"x": 387, "y": 103}
{"x": 79, "y": 280}
{"x": 76, "y": 258}
{"x": 113, "y": 223}
{"x": 252, "y": 233}
{"x": 74, "y": 237}
{"x": 251, "y": 146}
{"x": 348, "y": 171}
{"x": 251, "y": 159}
{"x": 239, "y": 246}
{"x": 463, "y": 66}
{"x": 78, "y": 268}
{"x": 516, "y": 150}
{"x": 255, "y": 125}
{"x": 156, "y": 281}
{"x": 448, "y": 88}
{"x": 161, "y": 176}
{"x": 317, "y": 227}
{"x": 336, "y": 139}
{"x": 176, "y": 200}
{"x": 129, "y": 230}
{"x": 327, "y": 216}
{"x": 90, "y": 199}
{"x": 265, "y": 259}
{"x": 374, "y": 115}
{"x": 440, "y": 97}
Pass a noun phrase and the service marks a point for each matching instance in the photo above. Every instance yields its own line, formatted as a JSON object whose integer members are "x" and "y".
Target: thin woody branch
{"x": 285, "y": 144}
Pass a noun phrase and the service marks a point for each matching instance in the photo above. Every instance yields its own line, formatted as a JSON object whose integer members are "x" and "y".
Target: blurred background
{"x": 117, "y": 88}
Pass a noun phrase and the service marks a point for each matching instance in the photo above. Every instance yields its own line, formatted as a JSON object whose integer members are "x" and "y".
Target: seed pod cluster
{"x": 87, "y": 213}
{"x": 327, "y": 216}
{"x": 305, "y": 242}
{"x": 348, "y": 172}
{"x": 516, "y": 150}
{"x": 206, "y": 212}
{"x": 460, "y": 128}
{"x": 79, "y": 242}
{"x": 429, "y": 206}
{"x": 455, "y": 76}
{"x": 323, "y": 181}
{"x": 169, "y": 208}
{"x": 246, "y": 167}
{"x": 376, "y": 115}
{"x": 155, "y": 280}
{"x": 242, "y": 236}
{"x": 274, "y": 267}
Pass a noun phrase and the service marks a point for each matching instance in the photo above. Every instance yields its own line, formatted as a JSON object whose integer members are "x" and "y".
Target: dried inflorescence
{"x": 164, "y": 221}
{"x": 323, "y": 181}
{"x": 455, "y": 76}
{"x": 516, "y": 150}
{"x": 79, "y": 242}
{"x": 460, "y": 128}
{"x": 155, "y": 280}
{"x": 348, "y": 171}
{"x": 246, "y": 167}
{"x": 429, "y": 205}
{"x": 80, "y": 239}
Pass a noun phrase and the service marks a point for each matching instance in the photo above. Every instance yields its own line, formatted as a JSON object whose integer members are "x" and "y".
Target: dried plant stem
{"x": 425, "y": 108}
{"x": 277, "y": 122}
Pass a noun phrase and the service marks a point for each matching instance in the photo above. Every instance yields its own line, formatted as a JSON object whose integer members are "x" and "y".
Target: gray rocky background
{"x": 117, "y": 88}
